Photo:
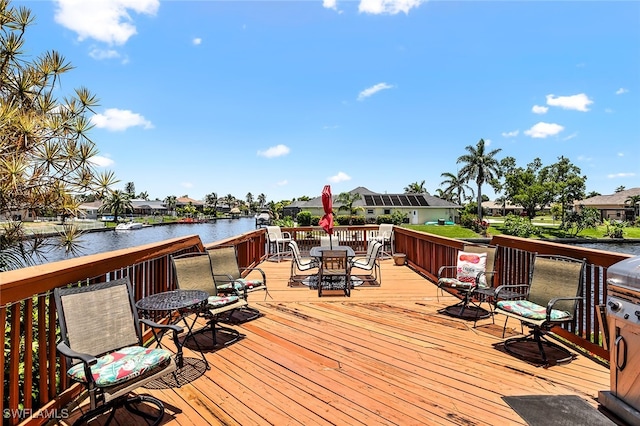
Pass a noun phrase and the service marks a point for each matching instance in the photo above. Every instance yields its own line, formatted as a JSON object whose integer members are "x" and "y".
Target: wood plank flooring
{"x": 384, "y": 356}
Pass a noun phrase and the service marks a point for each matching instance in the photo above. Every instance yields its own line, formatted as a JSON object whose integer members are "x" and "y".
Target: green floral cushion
{"x": 218, "y": 301}
{"x": 122, "y": 365}
{"x": 228, "y": 286}
{"x": 530, "y": 310}
{"x": 454, "y": 283}
{"x": 250, "y": 284}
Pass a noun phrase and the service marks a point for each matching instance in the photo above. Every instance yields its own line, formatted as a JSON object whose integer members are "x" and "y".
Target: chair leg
{"x": 128, "y": 403}
{"x": 536, "y": 337}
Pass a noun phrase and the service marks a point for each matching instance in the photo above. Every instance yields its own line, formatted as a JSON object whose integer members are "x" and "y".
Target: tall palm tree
{"x": 171, "y": 201}
{"x": 346, "y": 200}
{"x": 130, "y": 188}
{"x": 455, "y": 185}
{"x": 480, "y": 166}
{"x": 118, "y": 202}
{"x": 415, "y": 188}
{"x": 211, "y": 200}
{"x": 633, "y": 200}
{"x": 262, "y": 199}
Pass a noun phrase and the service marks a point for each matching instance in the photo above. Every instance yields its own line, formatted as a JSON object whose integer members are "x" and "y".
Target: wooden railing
{"x": 427, "y": 252}
{"x": 27, "y": 294}
{"x": 28, "y": 310}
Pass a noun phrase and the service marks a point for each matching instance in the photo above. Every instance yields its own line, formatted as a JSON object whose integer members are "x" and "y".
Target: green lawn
{"x": 548, "y": 227}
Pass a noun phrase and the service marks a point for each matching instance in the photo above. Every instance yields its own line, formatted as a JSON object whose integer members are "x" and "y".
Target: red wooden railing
{"x": 27, "y": 293}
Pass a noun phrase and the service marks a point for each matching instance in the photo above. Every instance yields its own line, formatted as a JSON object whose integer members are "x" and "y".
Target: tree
{"x": 346, "y": 200}
{"x": 565, "y": 182}
{"x": 262, "y": 200}
{"x": 144, "y": 195}
{"x": 620, "y": 188}
{"x": 416, "y": 188}
{"x": 118, "y": 202}
{"x": 527, "y": 187}
{"x": 479, "y": 166}
{"x": 130, "y": 188}
{"x": 171, "y": 201}
{"x": 456, "y": 186}
{"x": 592, "y": 194}
{"x": 444, "y": 195}
{"x": 211, "y": 201}
{"x": 45, "y": 149}
{"x": 633, "y": 201}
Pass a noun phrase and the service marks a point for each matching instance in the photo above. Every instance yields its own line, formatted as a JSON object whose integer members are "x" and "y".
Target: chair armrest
{"x": 553, "y": 301}
{"x": 264, "y": 277}
{"x": 509, "y": 289}
{"x": 70, "y": 353}
{"x": 286, "y": 235}
{"x": 164, "y": 327}
{"x": 445, "y": 268}
{"x": 226, "y": 278}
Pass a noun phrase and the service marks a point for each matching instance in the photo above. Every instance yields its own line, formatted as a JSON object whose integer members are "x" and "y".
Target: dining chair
{"x": 334, "y": 271}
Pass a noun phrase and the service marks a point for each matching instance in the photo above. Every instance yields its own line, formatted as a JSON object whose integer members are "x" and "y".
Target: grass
{"x": 549, "y": 230}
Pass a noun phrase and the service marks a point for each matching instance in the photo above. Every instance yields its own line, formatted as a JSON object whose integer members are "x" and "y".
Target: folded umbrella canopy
{"x": 327, "y": 220}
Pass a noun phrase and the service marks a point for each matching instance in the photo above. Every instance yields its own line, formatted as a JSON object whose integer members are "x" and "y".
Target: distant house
{"x": 419, "y": 208}
{"x": 494, "y": 208}
{"x": 147, "y": 208}
{"x": 185, "y": 201}
{"x": 611, "y": 207}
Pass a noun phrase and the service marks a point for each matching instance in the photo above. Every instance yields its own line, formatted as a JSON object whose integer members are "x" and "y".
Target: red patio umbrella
{"x": 327, "y": 220}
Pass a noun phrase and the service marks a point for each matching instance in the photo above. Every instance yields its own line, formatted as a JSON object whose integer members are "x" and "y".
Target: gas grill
{"x": 623, "y": 327}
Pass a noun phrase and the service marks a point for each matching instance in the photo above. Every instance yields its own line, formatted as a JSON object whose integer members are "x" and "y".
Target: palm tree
{"x": 480, "y": 166}
{"x": 416, "y": 188}
{"x": 211, "y": 200}
{"x": 249, "y": 198}
{"x": 346, "y": 200}
{"x": 447, "y": 196}
{"x": 130, "y": 188}
{"x": 455, "y": 185}
{"x": 633, "y": 200}
{"x": 262, "y": 199}
{"x": 171, "y": 201}
{"x": 118, "y": 202}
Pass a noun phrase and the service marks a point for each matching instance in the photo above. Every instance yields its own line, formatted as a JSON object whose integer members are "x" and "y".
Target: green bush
{"x": 520, "y": 227}
{"x": 304, "y": 219}
{"x": 315, "y": 220}
{"x": 349, "y": 220}
{"x": 384, "y": 218}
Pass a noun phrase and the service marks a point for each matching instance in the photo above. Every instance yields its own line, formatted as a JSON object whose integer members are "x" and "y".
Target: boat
{"x": 263, "y": 218}
{"x": 128, "y": 226}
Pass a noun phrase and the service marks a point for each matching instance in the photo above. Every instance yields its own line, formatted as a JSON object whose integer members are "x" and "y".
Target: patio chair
{"x": 334, "y": 271}
{"x": 552, "y": 299}
{"x": 101, "y": 338}
{"x": 385, "y": 237}
{"x": 277, "y": 240}
{"x": 300, "y": 265}
{"x": 474, "y": 264}
{"x": 229, "y": 276}
{"x": 193, "y": 272}
{"x": 369, "y": 263}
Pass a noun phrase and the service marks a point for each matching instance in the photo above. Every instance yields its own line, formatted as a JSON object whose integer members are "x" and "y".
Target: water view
{"x": 100, "y": 242}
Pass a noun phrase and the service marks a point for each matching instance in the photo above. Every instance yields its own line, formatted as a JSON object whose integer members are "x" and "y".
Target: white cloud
{"x": 330, "y": 4}
{"x": 609, "y": 110}
{"x": 391, "y": 7}
{"x": 621, "y": 90}
{"x": 578, "y": 102}
{"x": 584, "y": 158}
{"x": 105, "y": 21}
{"x": 539, "y": 109}
{"x": 187, "y": 185}
{"x": 373, "y": 90}
{"x": 275, "y": 151}
{"x": 197, "y": 41}
{"x": 282, "y": 183}
{"x": 620, "y": 175}
{"x": 512, "y": 134}
{"x": 487, "y": 142}
{"x": 100, "y": 54}
{"x": 101, "y": 161}
{"x": 571, "y": 136}
{"x": 542, "y": 130}
{"x": 115, "y": 120}
{"x": 340, "y": 177}
{"x": 621, "y": 154}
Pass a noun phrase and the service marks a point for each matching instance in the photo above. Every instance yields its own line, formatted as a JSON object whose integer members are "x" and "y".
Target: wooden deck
{"x": 383, "y": 356}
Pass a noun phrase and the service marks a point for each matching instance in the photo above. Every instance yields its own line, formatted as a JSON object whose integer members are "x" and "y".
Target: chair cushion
{"x": 530, "y": 310}
{"x": 218, "y": 301}
{"x": 122, "y": 365}
{"x": 250, "y": 284}
{"x": 454, "y": 283}
{"x": 469, "y": 266}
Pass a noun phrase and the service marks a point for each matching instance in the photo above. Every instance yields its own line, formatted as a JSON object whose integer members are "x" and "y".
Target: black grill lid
{"x": 625, "y": 273}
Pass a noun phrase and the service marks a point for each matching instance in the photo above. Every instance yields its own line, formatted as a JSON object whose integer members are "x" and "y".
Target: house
{"x": 419, "y": 208}
{"x": 612, "y": 207}
{"x": 185, "y": 201}
{"x": 494, "y": 208}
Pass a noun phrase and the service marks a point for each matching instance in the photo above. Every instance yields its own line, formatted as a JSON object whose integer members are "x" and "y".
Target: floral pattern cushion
{"x": 530, "y": 310}
{"x": 122, "y": 365}
{"x": 455, "y": 283}
{"x": 217, "y": 301}
{"x": 250, "y": 284}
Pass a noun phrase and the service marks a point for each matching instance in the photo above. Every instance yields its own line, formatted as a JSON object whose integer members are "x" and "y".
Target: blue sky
{"x": 281, "y": 98}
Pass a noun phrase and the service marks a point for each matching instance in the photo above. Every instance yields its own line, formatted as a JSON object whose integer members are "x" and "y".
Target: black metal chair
{"x": 101, "y": 338}
{"x": 334, "y": 271}
{"x": 552, "y": 299}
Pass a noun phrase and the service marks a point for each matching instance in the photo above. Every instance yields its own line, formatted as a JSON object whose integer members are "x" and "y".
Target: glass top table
{"x": 317, "y": 251}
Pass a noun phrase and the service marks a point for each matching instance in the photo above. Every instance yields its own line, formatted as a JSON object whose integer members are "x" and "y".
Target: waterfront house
{"x": 613, "y": 206}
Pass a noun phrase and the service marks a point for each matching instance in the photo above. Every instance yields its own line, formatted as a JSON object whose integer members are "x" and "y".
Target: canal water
{"x": 104, "y": 241}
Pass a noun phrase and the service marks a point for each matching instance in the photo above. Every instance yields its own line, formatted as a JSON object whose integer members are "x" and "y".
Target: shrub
{"x": 384, "y": 218}
{"x": 520, "y": 226}
{"x": 614, "y": 228}
{"x": 304, "y": 219}
{"x": 315, "y": 220}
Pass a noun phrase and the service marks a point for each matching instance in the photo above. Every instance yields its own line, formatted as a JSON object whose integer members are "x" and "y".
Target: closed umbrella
{"x": 327, "y": 220}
